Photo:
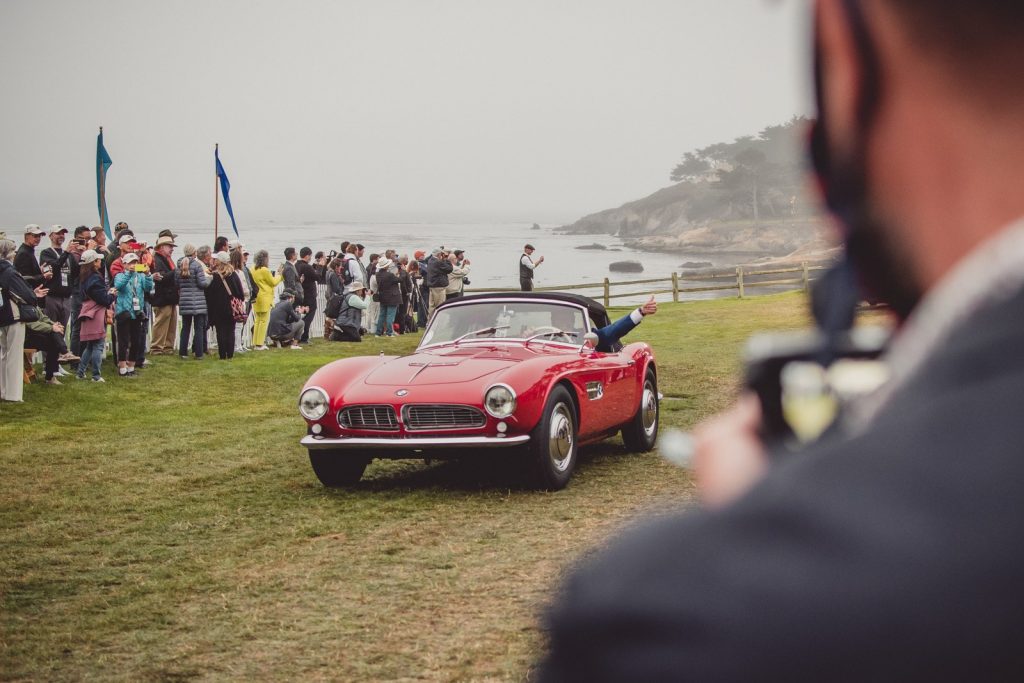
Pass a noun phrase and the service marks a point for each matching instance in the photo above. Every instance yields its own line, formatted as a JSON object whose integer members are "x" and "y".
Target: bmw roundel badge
{"x": 401, "y": 392}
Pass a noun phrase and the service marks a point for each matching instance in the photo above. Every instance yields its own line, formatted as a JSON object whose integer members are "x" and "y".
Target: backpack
{"x": 346, "y": 273}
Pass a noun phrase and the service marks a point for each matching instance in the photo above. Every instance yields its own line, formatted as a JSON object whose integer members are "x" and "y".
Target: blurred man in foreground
{"x": 890, "y": 550}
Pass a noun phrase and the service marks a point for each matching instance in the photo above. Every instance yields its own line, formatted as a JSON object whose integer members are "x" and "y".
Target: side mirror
{"x": 590, "y": 340}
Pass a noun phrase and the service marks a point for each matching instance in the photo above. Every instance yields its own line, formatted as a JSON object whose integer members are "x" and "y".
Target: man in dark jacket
{"x": 309, "y": 277}
{"x": 78, "y": 246}
{"x": 25, "y": 259}
{"x": 285, "y": 326}
{"x": 291, "y": 275}
{"x": 55, "y": 260}
{"x": 164, "y": 297}
{"x": 441, "y": 264}
{"x": 890, "y": 550}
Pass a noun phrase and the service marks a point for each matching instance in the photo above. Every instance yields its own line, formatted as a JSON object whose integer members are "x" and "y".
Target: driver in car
{"x": 608, "y": 336}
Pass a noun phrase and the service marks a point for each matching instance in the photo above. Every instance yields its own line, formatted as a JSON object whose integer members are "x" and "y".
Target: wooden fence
{"x": 741, "y": 279}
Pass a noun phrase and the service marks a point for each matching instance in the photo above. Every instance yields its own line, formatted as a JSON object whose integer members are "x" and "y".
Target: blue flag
{"x": 102, "y": 164}
{"x": 225, "y": 187}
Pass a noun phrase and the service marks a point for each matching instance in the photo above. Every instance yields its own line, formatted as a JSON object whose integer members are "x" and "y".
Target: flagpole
{"x": 103, "y": 193}
{"x": 216, "y": 194}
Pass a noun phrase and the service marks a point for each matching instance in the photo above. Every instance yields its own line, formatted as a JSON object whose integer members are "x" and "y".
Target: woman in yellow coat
{"x": 266, "y": 284}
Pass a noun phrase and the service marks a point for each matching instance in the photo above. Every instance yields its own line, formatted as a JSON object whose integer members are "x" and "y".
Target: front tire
{"x": 553, "y": 444}
{"x": 641, "y": 433}
{"x": 334, "y": 468}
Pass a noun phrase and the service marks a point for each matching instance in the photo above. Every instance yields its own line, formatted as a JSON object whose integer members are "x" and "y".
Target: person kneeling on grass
{"x": 286, "y": 324}
{"x": 347, "y": 311}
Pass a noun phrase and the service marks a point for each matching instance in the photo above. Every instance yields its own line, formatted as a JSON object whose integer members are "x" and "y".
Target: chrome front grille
{"x": 373, "y": 418}
{"x": 437, "y": 417}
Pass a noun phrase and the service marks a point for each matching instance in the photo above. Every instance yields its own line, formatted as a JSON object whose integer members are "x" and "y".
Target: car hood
{"x": 443, "y": 366}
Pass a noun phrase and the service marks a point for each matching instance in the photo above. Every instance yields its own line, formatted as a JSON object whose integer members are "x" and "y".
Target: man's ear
{"x": 841, "y": 70}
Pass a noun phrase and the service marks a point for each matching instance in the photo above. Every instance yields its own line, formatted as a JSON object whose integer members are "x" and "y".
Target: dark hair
{"x": 318, "y": 255}
{"x": 335, "y": 263}
{"x": 970, "y": 36}
{"x": 374, "y": 257}
{"x": 82, "y": 228}
{"x": 306, "y": 251}
{"x": 289, "y": 252}
{"x": 344, "y": 246}
{"x": 87, "y": 269}
{"x": 220, "y": 244}
{"x": 360, "y": 247}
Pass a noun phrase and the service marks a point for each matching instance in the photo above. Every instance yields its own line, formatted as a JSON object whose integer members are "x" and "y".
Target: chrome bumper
{"x": 412, "y": 444}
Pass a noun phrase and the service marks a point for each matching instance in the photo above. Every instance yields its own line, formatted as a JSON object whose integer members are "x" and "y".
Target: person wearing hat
{"x": 165, "y": 296}
{"x": 441, "y": 264}
{"x": 132, "y": 285}
{"x": 25, "y": 260}
{"x": 285, "y": 322}
{"x": 526, "y": 267}
{"x": 96, "y": 299}
{"x": 58, "y": 301}
{"x": 120, "y": 232}
{"x": 347, "y": 313}
{"x": 166, "y": 232}
{"x": 389, "y": 292}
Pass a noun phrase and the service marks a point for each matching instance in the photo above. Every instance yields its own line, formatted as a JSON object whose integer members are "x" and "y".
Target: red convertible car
{"x": 493, "y": 372}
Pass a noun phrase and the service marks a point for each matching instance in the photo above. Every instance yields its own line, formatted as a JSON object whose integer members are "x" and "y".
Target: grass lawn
{"x": 171, "y": 527}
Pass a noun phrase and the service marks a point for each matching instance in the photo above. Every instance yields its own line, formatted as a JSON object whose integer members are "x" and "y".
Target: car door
{"x": 608, "y": 388}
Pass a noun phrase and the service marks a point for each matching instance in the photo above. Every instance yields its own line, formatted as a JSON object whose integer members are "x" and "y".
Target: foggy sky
{"x": 380, "y": 110}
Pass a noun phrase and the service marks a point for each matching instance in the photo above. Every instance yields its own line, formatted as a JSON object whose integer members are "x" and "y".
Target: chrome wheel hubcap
{"x": 560, "y": 437}
{"x": 649, "y": 409}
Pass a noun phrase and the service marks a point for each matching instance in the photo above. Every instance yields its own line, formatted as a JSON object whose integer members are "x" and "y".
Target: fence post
{"x": 607, "y": 292}
{"x": 675, "y": 287}
{"x": 739, "y": 279}
{"x": 807, "y": 277}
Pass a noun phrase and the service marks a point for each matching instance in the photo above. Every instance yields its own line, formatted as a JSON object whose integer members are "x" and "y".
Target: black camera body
{"x": 773, "y": 361}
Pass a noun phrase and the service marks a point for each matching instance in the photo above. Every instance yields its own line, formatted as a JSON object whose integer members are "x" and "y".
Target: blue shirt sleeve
{"x": 609, "y": 335}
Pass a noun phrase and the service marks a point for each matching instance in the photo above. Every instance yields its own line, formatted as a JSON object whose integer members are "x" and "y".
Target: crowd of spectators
{"x": 73, "y": 303}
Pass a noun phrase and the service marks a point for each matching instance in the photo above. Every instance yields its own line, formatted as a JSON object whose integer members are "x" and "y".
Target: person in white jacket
{"x": 456, "y": 278}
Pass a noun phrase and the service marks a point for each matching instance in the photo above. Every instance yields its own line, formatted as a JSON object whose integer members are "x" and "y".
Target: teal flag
{"x": 102, "y": 164}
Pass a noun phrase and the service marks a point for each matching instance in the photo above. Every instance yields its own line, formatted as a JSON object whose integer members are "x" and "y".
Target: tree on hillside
{"x": 691, "y": 168}
{"x": 752, "y": 174}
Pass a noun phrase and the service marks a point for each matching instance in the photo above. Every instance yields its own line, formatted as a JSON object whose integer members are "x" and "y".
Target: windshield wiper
{"x": 551, "y": 332}
{"x": 486, "y": 330}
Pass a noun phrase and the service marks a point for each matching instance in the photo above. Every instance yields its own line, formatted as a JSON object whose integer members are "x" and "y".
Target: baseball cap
{"x": 126, "y": 238}
{"x": 129, "y": 258}
{"x": 529, "y": 246}
{"x": 54, "y": 229}
{"x": 235, "y": 244}
{"x": 89, "y": 255}
{"x": 223, "y": 257}
{"x": 33, "y": 229}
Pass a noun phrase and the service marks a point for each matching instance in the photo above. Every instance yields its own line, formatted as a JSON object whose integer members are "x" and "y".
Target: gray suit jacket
{"x": 291, "y": 281}
{"x": 895, "y": 555}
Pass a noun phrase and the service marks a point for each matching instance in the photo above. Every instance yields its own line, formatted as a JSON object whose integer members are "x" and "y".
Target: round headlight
{"x": 500, "y": 401}
{"x": 313, "y": 403}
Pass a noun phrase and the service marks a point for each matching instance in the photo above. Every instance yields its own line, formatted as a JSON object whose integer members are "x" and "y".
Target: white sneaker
{"x": 261, "y": 348}
{"x": 295, "y": 347}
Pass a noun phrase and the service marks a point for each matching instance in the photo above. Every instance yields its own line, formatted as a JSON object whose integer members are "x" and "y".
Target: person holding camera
{"x": 457, "y": 278}
{"x": 16, "y": 297}
{"x": 440, "y": 266}
{"x": 526, "y": 267}
{"x": 890, "y": 548}
{"x": 132, "y": 285}
{"x": 286, "y": 321}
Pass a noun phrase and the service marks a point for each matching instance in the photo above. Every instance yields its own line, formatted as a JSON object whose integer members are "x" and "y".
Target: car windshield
{"x": 506, "y": 320}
